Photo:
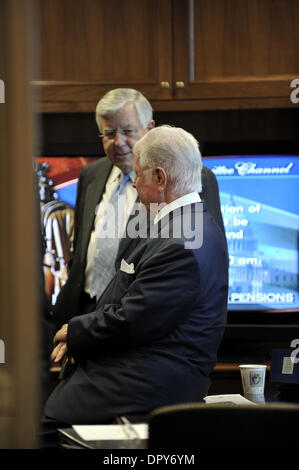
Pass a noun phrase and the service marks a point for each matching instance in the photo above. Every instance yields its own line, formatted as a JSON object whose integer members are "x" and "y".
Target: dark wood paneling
{"x": 91, "y": 46}
{"x": 237, "y": 50}
{"x": 95, "y": 41}
{"x": 248, "y": 38}
{"x": 182, "y": 54}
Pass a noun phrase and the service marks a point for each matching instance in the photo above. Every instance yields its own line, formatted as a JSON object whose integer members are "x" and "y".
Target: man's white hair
{"x": 177, "y": 152}
{"x": 116, "y": 99}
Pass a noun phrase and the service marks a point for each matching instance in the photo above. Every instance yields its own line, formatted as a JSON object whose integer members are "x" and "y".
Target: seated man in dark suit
{"x": 153, "y": 337}
{"x": 123, "y": 117}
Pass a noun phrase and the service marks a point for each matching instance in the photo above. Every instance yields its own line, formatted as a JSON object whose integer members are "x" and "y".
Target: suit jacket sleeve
{"x": 77, "y": 215}
{"x": 84, "y": 180}
{"x": 77, "y": 209}
{"x": 159, "y": 296}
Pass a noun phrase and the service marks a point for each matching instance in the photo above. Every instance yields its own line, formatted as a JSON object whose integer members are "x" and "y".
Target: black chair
{"x": 195, "y": 426}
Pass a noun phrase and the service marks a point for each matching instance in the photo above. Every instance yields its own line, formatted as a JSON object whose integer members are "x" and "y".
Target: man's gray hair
{"x": 116, "y": 99}
{"x": 177, "y": 152}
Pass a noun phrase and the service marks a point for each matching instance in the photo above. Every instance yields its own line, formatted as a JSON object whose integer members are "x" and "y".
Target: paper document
{"x": 234, "y": 399}
{"x": 109, "y": 432}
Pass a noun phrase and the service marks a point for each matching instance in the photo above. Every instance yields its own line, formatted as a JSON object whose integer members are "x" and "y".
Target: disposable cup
{"x": 253, "y": 378}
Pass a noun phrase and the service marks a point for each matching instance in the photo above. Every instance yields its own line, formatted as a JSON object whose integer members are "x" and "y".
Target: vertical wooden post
{"x": 19, "y": 398}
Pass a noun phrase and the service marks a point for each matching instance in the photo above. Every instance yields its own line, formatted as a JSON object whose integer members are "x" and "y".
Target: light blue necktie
{"x": 107, "y": 247}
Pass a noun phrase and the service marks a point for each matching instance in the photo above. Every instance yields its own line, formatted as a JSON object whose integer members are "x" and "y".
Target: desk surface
{"x": 219, "y": 367}
{"x": 231, "y": 367}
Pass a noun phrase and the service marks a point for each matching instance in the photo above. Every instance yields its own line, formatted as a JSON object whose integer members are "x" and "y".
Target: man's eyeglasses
{"x": 111, "y": 133}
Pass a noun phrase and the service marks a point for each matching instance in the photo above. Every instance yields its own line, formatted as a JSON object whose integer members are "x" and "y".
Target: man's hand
{"x": 61, "y": 348}
{"x": 61, "y": 334}
{"x": 59, "y": 351}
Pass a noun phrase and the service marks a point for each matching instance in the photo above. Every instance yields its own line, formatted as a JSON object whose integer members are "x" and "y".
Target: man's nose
{"x": 119, "y": 138}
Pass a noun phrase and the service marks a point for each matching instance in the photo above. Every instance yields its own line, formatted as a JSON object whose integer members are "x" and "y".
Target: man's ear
{"x": 160, "y": 177}
{"x": 150, "y": 125}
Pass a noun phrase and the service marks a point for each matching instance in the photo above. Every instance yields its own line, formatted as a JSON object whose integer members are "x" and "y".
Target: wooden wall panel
{"x": 95, "y": 40}
{"x": 257, "y": 38}
{"x": 91, "y": 46}
{"x": 182, "y": 54}
{"x": 240, "y": 52}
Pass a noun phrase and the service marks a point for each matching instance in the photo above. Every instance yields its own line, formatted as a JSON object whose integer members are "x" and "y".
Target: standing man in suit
{"x": 123, "y": 116}
{"x": 153, "y": 337}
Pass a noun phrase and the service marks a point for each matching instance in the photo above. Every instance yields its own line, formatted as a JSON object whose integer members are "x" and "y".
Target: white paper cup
{"x": 253, "y": 378}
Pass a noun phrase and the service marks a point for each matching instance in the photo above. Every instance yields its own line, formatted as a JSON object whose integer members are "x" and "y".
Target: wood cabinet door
{"x": 88, "y": 47}
{"x": 235, "y": 53}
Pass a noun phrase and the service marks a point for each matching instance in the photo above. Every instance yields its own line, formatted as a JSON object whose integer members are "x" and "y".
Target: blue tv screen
{"x": 259, "y": 197}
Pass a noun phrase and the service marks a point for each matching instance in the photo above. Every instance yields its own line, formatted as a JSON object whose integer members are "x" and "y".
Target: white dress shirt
{"x": 180, "y": 202}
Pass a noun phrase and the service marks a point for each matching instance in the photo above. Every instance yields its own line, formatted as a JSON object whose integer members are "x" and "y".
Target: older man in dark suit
{"x": 123, "y": 117}
{"x": 153, "y": 337}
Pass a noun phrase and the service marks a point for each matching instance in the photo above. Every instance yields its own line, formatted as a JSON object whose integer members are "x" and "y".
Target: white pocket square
{"x": 127, "y": 268}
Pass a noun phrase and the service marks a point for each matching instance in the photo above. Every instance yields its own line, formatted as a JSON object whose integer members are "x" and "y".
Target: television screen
{"x": 259, "y": 197}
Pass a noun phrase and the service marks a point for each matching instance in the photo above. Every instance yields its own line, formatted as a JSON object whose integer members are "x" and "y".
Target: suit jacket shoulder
{"x": 100, "y": 168}
{"x": 210, "y": 194}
